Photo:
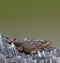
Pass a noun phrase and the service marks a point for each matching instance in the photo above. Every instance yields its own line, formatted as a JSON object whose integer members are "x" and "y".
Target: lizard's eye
{"x": 45, "y": 42}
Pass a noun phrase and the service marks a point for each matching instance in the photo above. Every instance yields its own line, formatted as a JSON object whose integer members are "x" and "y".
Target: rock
{"x": 58, "y": 60}
{"x": 2, "y": 59}
{"x": 9, "y": 53}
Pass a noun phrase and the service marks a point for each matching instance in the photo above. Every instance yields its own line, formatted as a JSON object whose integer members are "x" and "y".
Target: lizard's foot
{"x": 33, "y": 52}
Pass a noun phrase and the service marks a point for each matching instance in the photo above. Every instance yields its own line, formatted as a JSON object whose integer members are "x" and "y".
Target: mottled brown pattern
{"x": 31, "y": 47}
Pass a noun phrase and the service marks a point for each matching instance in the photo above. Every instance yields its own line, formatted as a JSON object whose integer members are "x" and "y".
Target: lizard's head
{"x": 46, "y": 43}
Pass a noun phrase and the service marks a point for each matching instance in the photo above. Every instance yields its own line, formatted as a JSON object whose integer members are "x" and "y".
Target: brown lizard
{"x": 30, "y": 47}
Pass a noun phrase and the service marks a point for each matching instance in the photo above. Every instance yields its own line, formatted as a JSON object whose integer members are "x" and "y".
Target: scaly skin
{"x": 29, "y": 47}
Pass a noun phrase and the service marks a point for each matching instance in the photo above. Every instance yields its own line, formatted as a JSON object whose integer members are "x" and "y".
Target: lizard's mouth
{"x": 47, "y": 43}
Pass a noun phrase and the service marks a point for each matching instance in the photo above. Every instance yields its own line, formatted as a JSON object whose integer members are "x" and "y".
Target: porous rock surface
{"x": 9, "y": 54}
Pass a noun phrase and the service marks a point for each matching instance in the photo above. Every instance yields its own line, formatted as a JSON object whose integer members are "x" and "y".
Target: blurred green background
{"x": 37, "y": 19}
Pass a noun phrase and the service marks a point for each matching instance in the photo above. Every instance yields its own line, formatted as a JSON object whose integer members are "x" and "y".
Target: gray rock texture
{"x": 9, "y": 54}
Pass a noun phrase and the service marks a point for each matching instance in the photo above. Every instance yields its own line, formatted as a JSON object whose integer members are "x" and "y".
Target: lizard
{"x": 30, "y": 47}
